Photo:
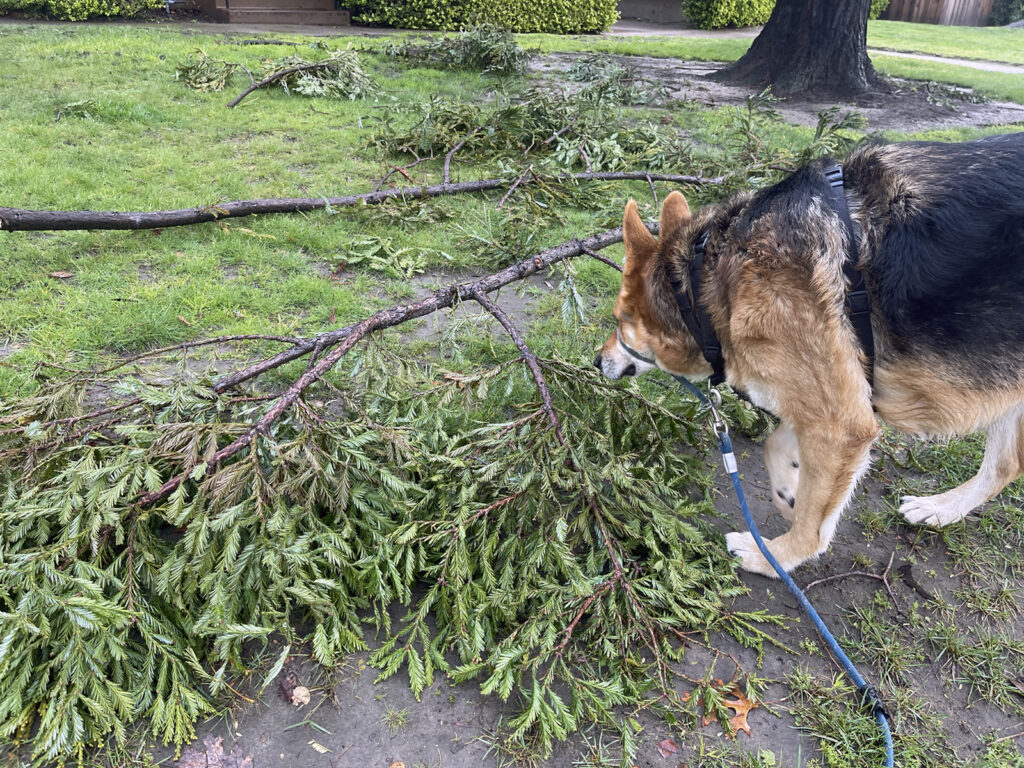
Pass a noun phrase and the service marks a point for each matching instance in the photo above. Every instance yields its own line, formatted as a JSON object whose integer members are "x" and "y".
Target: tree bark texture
{"x": 25, "y": 220}
{"x": 814, "y": 47}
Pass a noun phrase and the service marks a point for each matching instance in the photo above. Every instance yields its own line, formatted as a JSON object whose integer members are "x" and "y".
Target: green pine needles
{"x": 563, "y": 563}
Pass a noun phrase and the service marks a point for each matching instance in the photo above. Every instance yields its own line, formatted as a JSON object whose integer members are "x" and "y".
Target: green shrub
{"x": 557, "y": 16}
{"x": 22, "y": 6}
{"x": 78, "y": 10}
{"x": 878, "y": 8}
{"x": 1006, "y": 12}
{"x": 715, "y": 14}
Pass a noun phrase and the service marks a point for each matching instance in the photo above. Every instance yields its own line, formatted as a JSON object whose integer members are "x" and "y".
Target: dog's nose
{"x": 630, "y": 370}
{"x": 597, "y": 362}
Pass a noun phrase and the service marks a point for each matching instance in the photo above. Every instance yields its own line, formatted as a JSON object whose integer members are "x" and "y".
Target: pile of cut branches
{"x": 485, "y": 48}
{"x": 336, "y": 76}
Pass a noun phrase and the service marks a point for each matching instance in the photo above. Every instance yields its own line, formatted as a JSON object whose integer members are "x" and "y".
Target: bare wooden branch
{"x": 528, "y": 356}
{"x": 603, "y": 259}
{"x": 448, "y": 158}
{"x": 512, "y": 189}
{"x": 440, "y": 299}
{"x": 275, "y": 77}
{"x": 28, "y": 220}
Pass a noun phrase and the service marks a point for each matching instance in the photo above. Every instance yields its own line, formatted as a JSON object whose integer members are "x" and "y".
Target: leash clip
{"x": 718, "y": 423}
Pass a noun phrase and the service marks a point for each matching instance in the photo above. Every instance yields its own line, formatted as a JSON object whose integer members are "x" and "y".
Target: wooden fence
{"x": 961, "y": 13}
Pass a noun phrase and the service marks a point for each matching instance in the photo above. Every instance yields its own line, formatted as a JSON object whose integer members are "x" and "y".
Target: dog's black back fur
{"x": 946, "y": 228}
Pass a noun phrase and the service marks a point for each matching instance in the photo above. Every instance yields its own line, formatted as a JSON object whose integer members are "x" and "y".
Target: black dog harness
{"x": 858, "y": 302}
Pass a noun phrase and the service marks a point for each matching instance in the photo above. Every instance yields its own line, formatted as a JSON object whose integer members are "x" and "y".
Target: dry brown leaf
{"x": 741, "y": 705}
{"x": 397, "y": 764}
{"x": 60, "y": 274}
{"x": 182, "y": 319}
{"x": 667, "y": 747}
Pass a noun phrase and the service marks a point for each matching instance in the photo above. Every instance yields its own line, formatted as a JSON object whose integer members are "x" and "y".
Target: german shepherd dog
{"x": 939, "y": 230}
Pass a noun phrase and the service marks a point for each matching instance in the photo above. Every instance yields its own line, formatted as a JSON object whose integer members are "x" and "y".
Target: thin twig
{"x": 602, "y": 259}
{"x": 451, "y": 154}
{"x": 586, "y": 159}
{"x": 402, "y": 170}
{"x": 603, "y": 587}
{"x": 560, "y": 131}
{"x": 528, "y": 355}
{"x": 440, "y": 299}
{"x": 654, "y": 192}
{"x": 883, "y": 577}
{"x": 512, "y": 189}
{"x": 1007, "y": 738}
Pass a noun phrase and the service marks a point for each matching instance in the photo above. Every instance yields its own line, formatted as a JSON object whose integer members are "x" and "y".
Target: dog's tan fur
{"x": 787, "y": 342}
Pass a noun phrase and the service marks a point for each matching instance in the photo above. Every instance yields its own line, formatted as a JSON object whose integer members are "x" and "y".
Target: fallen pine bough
{"x": 538, "y": 520}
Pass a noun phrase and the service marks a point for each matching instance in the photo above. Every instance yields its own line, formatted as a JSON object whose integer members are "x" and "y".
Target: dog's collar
{"x": 858, "y": 301}
{"x": 651, "y": 361}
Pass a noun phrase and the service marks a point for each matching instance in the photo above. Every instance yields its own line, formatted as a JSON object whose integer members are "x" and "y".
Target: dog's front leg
{"x": 782, "y": 459}
{"x": 832, "y": 460}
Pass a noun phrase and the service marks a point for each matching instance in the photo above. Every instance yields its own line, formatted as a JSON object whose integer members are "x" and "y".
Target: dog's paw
{"x": 742, "y": 545}
{"x": 935, "y": 511}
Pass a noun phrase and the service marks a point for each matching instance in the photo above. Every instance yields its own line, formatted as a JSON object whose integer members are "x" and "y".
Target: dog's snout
{"x": 630, "y": 370}
{"x": 597, "y": 361}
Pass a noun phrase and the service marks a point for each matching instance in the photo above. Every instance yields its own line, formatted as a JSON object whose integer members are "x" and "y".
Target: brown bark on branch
{"x": 274, "y": 78}
{"x": 440, "y": 299}
{"x": 28, "y": 220}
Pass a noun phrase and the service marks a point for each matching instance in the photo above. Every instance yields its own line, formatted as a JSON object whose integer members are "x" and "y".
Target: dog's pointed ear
{"x": 675, "y": 212}
{"x": 640, "y": 244}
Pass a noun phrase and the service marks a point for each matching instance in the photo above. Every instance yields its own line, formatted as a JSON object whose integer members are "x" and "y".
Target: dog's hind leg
{"x": 1003, "y": 463}
{"x": 833, "y": 456}
{"x": 782, "y": 459}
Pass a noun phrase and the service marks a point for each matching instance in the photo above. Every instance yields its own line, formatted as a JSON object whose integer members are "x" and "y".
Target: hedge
{"x": 557, "y": 16}
{"x": 1006, "y": 12}
{"x": 78, "y": 10}
{"x": 715, "y": 14}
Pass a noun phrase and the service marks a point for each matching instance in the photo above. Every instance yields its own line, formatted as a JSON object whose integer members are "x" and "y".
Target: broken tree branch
{"x": 528, "y": 356}
{"x": 275, "y": 77}
{"x": 451, "y": 153}
{"x": 440, "y": 299}
{"x": 28, "y": 220}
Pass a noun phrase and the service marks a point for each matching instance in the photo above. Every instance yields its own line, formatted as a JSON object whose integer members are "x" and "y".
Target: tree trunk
{"x": 810, "y": 47}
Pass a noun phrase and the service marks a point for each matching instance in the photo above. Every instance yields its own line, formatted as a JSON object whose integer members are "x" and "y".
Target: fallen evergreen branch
{"x": 153, "y": 542}
{"x": 28, "y": 220}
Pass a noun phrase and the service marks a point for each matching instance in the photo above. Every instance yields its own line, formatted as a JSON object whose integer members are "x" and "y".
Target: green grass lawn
{"x": 1004, "y": 44}
{"x": 94, "y": 118}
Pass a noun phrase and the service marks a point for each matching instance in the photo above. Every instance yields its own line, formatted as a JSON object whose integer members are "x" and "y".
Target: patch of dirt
{"x": 905, "y": 109}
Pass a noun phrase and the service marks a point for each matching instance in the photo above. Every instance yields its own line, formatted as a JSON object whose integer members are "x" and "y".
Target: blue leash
{"x": 868, "y": 693}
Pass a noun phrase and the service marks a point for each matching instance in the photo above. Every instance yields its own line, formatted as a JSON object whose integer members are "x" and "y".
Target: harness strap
{"x": 858, "y": 302}
{"x": 695, "y": 317}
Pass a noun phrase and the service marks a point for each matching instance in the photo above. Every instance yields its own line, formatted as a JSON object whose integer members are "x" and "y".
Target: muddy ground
{"x": 910, "y": 107}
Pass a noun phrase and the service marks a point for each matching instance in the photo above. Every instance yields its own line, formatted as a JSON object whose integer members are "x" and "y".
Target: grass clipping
{"x": 563, "y": 568}
{"x": 338, "y": 75}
